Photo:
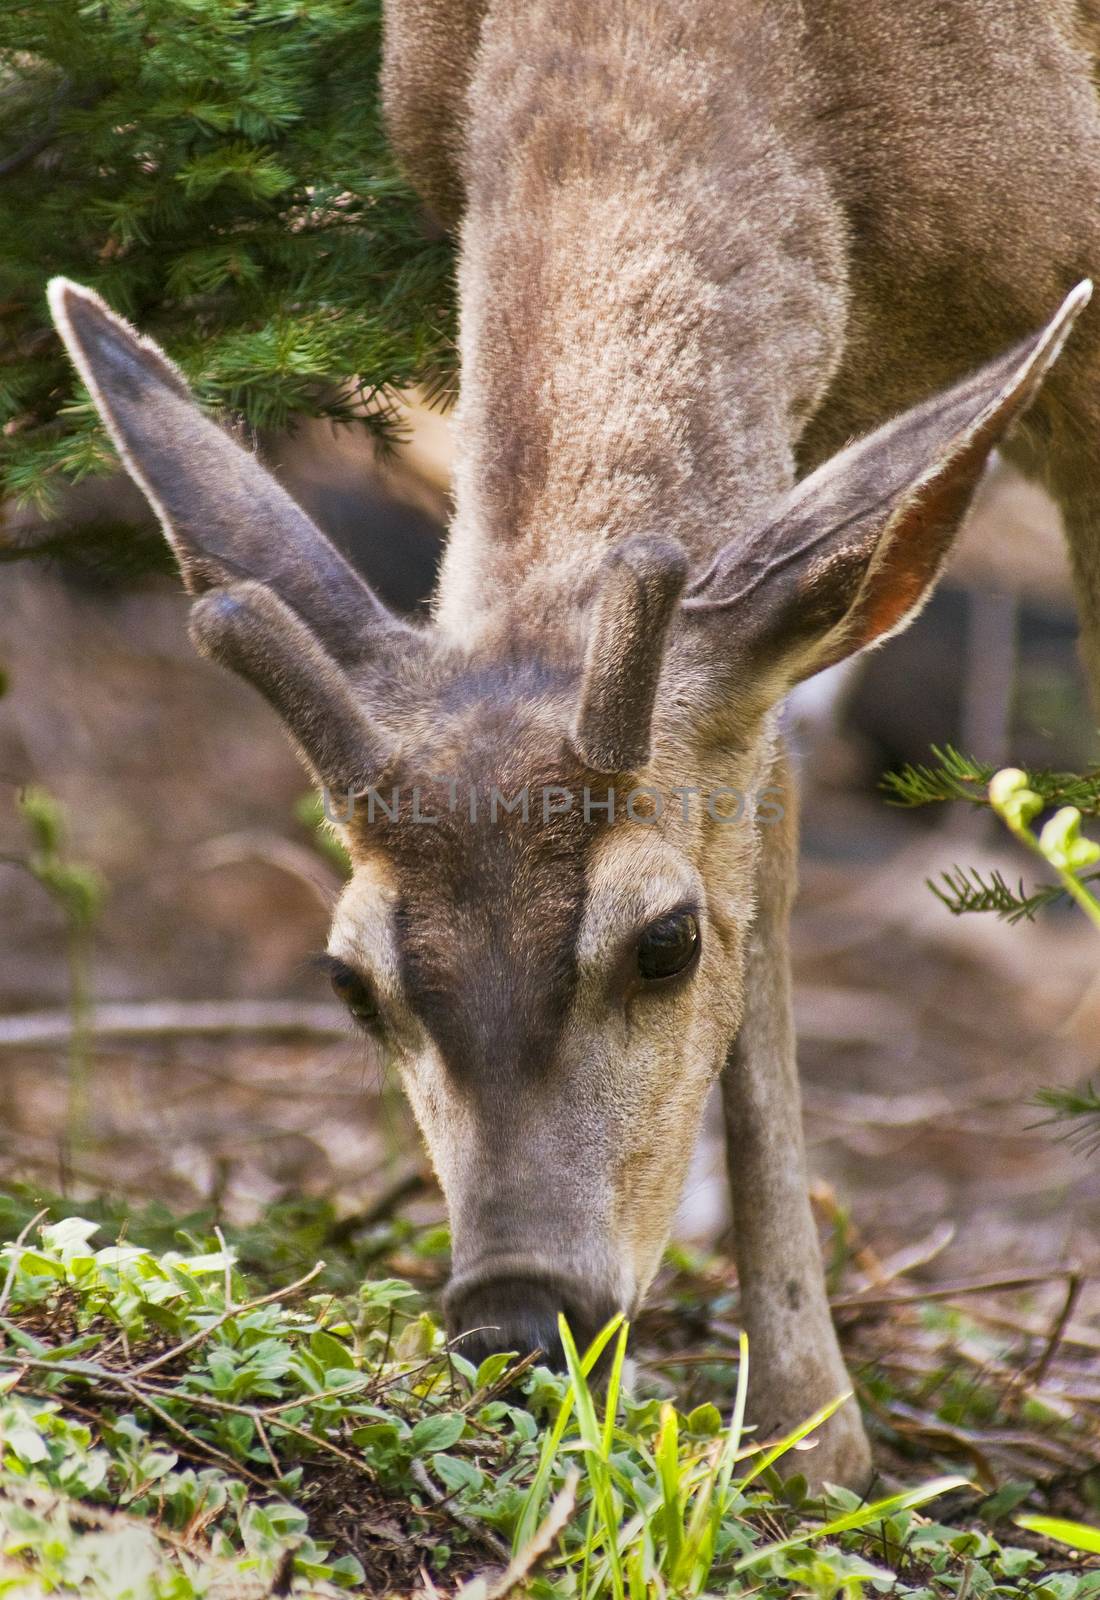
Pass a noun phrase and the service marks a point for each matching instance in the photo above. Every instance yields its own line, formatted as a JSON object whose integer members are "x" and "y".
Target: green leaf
{"x": 1077, "y": 1535}
{"x": 437, "y": 1433}
{"x": 705, "y": 1420}
{"x": 456, "y": 1473}
{"x": 330, "y": 1352}
{"x": 493, "y": 1368}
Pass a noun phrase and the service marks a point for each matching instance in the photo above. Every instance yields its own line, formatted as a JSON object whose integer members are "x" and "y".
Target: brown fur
{"x": 702, "y": 244}
{"x": 789, "y": 221}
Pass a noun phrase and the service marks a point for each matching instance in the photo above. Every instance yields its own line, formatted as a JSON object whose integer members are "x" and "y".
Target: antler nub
{"x": 640, "y": 585}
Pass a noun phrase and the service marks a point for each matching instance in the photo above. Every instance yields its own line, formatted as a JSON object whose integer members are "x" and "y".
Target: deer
{"x": 750, "y": 292}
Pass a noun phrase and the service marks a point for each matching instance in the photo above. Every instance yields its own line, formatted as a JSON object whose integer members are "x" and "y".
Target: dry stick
{"x": 207, "y": 1402}
{"x": 1057, "y": 1333}
{"x": 15, "y": 1254}
{"x": 471, "y": 1524}
{"x": 268, "y": 1450}
{"x": 381, "y": 1209}
{"x": 117, "y": 1381}
{"x": 156, "y": 1019}
{"x": 315, "y": 1399}
{"x": 1074, "y": 1333}
{"x": 429, "y": 1587}
{"x": 99, "y": 1516}
{"x": 490, "y": 1391}
{"x": 401, "y": 1378}
{"x": 948, "y": 1291}
{"x": 139, "y": 1394}
{"x": 219, "y": 1321}
{"x": 144, "y": 1393}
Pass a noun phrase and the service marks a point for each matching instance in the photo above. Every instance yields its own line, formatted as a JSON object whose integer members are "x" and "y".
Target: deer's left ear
{"x": 854, "y": 552}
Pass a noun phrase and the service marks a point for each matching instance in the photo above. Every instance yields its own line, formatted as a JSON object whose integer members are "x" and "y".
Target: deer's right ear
{"x": 224, "y": 514}
{"x": 855, "y": 551}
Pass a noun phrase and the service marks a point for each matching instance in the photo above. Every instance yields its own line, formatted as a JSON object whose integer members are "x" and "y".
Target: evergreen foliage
{"x": 1079, "y": 1109}
{"x": 217, "y": 169}
{"x": 954, "y": 776}
{"x": 964, "y": 889}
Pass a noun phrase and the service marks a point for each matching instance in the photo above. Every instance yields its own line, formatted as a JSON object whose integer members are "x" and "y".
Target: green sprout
{"x": 1060, "y": 843}
{"x": 78, "y": 891}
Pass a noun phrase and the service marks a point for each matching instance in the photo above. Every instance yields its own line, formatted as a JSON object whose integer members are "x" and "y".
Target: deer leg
{"x": 795, "y": 1365}
{"x": 1076, "y": 488}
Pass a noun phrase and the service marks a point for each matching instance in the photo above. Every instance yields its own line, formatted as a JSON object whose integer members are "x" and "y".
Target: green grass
{"x": 171, "y": 1429}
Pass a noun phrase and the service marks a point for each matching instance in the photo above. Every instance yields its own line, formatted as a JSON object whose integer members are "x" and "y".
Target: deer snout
{"x": 521, "y": 1314}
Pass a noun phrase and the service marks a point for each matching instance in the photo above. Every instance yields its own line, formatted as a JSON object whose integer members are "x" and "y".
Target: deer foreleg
{"x": 795, "y": 1365}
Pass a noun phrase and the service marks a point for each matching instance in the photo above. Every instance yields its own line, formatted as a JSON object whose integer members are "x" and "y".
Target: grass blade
{"x": 596, "y": 1464}
{"x": 1078, "y": 1535}
{"x": 672, "y": 1501}
{"x": 794, "y": 1437}
{"x": 875, "y": 1512}
{"x": 529, "y": 1517}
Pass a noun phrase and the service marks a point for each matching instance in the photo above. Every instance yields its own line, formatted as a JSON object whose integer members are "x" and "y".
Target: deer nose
{"x": 521, "y": 1315}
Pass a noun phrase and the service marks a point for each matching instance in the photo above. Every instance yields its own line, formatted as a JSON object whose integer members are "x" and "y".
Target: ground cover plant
{"x": 170, "y": 1426}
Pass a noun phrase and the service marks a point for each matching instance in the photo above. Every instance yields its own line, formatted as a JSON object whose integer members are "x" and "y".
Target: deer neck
{"x": 652, "y": 293}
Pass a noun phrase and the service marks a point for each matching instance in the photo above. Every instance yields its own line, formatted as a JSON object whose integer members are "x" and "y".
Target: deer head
{"x": 555, "y": 828}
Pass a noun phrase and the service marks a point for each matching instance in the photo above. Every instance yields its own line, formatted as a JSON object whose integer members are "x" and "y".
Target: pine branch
{"x": 965, "y": 889}
{"x": 1080, "y": 1108}
{"x": 220, "y": 173}
{"x": 956, "y": 777}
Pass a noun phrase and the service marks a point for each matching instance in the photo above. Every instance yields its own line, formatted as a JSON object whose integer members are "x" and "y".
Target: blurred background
{"x": 220, "y": 1071}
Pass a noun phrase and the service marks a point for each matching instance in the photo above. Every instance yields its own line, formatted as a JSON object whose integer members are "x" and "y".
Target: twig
{"x": 226, "y": 1316}
{"x": 1058, "y": 1329}
{"x": 429, "y": 1587}
{"x": 471, "y": 1524}
{"x": 361, "y": 1383}
{"x": 381, "y": 1209}
{"x": 140, "y": 1394}
{"x": 144, "y": 1394}
{"x": 157, "y": 1019}
{"x": 506, "y": 1380}
{"x": 208, "y": 1402}
{"x": 97, "y": 1516}
{"x": 268, "y": 1449}
{"x": 948, "y": 1291}
{"x": 15, "y": 1254}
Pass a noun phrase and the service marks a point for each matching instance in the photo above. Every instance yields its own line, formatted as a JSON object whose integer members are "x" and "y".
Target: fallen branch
{"x": 471, "y": 1524}
{"x": 948, "y": 1291}
{"x": 158, "y": 1019}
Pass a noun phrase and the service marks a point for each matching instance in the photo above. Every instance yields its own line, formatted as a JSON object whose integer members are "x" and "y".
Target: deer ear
{"x": 855, "y": 551}
{"x": 224, "y": 515}
{"x": 247, "y": 628}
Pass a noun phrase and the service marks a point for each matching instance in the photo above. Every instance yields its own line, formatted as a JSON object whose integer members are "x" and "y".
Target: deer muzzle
{"x": 511, "y": 1309}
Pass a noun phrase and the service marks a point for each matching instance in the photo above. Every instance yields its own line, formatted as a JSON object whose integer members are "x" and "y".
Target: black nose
{"x": 522, "y": 1315}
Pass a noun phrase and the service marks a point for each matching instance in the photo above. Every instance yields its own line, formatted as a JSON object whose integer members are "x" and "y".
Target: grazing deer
{"x": 704, "y": 244}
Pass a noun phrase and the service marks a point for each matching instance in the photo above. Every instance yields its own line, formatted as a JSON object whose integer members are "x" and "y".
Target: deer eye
{"x": 355, "y": 992}
{"x": 668, "y": 946}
